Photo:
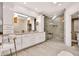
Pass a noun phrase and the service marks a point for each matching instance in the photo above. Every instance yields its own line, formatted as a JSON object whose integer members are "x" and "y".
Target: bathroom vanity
{"x": 27, "y": 40}
{"x": 26, "y": 30}
{"x": 23, "y": 41}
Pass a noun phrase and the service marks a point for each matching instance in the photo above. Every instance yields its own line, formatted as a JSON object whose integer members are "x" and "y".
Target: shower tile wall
{"x": 55, "y": 30}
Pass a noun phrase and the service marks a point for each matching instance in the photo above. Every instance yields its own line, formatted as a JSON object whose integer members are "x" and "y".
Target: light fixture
{"x": 54, "y": 2}
{"x": 59, "y": 4}
{"x": 28, "y": 18}
{"x": 17, "y": 14}
{"x": 54, "y": 17}
{"x": 24, "y": 2}
{"x": 15, "y": 19}
{"x": 36, "y": 9}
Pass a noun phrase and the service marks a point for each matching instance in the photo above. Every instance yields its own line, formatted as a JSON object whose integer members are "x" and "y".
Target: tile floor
{"x": 49, "y": 48}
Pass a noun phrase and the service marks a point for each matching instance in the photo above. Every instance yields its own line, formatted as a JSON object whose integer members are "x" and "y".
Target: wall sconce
{"x": 15, "y": 19}
{"x": 54, "y": 17}
{"x": 29, "y": 20}
{"x": 37, "y": 22}
{"x": 62, "y": 19}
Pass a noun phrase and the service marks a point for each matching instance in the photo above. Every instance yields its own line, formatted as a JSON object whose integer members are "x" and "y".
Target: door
{"x": 74, "y": 31}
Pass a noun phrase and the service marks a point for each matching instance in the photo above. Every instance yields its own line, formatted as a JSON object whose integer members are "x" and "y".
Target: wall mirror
{"x": 23, "y": 23}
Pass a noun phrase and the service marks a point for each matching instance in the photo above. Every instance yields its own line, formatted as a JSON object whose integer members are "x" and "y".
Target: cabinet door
{"x": 38, "y": 38}
{"x": 32, "y": 39}
{"x": 18, "y": 42}
{"x": 26, "y": 41}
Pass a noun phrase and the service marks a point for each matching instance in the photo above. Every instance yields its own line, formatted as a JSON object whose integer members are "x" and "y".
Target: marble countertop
{"x": 22, "y": 33}
{"x": 27, "y": 33}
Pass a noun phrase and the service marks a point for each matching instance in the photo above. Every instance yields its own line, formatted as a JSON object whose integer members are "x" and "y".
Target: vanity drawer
{"x": 26, "y": 43}
{"x": 32, "y": 39}
{"x": 7, "y": 31}
{"x": 18, "y": 43}
{"x": 38, "y": 38}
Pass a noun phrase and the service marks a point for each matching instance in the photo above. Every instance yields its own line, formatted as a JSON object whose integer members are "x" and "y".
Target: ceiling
{"x": 47, "y": 8}
{"x": 75, "y": 15}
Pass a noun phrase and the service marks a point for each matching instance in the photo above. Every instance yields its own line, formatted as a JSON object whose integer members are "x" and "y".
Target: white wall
{"x": 1, "y": 17}
{"x": 1, "y": 6}
{"x": 40, "y": 20}
{"x": 10, "y": 8}
{"x": 7, "y": 19}
{"x": 67, "y": 23}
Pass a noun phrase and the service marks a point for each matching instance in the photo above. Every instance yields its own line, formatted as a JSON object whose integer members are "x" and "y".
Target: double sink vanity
{"x": 27, "y": 40}
{"x": 23, "y": 41}
{"x": 26, "y": 30}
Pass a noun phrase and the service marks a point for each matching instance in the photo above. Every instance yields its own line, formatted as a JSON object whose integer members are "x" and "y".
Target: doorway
{"x": 74, "y": 29}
